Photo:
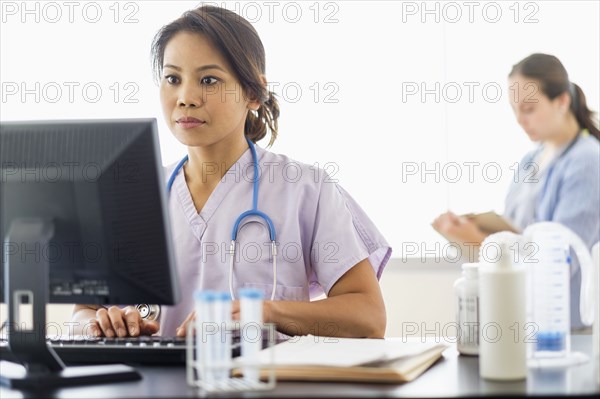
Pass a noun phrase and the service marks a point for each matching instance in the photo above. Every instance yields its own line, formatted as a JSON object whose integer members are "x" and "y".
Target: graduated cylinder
{"x": 502, "y": 296}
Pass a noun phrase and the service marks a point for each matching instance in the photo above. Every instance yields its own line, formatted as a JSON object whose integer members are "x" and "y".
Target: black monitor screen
{"x": 99, "y": 184}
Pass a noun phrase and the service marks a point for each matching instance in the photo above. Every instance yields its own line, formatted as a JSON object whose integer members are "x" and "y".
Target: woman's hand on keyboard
{"x": 182, "y": 329}
{"x": 122, "y": 322}
{"x": 235, "y": 316}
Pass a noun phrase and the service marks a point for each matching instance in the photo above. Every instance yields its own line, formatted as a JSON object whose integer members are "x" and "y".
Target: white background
{"x": 361, "y": 56}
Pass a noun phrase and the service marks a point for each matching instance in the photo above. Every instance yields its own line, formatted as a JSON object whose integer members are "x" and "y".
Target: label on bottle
{"x": 468, "y": 321}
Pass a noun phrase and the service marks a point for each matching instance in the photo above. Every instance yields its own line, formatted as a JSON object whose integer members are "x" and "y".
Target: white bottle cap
{"x": 496, "y": 250}
{"x": 470, "y": 270}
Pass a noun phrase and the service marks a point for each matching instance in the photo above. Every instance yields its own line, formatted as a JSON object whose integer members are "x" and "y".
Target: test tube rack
{"x": 197, "y": 368}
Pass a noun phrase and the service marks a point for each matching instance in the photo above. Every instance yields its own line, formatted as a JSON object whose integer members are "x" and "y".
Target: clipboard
{"x": 491, "y": 222}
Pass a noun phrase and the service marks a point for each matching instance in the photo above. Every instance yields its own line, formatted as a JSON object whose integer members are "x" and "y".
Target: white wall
{"x": 345, "y": 73}
{"x": 419, "y": 298}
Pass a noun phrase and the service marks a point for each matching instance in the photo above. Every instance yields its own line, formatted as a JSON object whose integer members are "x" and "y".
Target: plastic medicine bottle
{"x": 466, "y": 290}
{"x": 502, "y": 316}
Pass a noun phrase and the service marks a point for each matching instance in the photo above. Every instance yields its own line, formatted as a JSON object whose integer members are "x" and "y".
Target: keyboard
{"x": 130, "y": 350}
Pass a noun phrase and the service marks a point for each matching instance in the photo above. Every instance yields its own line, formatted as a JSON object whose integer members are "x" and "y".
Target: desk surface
{"x": 452, "y": 376}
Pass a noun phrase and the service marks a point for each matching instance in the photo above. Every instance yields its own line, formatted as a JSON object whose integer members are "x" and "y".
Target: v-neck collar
{"x": 198, "y": 221}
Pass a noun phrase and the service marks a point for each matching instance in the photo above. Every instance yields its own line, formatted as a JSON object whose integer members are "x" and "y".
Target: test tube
{"x": 223, "y": 349}
{"x": 206, "y": 338}
{"x": 251, "y": 335}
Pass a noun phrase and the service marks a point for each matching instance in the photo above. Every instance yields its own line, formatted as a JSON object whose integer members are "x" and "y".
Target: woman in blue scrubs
{"x": 559, "y": 180}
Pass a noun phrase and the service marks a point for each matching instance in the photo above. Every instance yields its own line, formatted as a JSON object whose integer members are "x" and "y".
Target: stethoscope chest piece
{"x": 148, "y": 311}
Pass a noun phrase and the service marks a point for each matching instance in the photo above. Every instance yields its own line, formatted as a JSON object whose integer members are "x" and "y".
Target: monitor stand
{"x": 26, "y": 285}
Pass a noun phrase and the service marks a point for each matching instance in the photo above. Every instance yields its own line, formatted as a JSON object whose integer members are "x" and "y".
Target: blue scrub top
{"x": 568, "y": 192}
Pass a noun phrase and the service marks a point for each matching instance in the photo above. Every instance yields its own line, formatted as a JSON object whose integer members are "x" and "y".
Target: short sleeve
{"x": 343, "y": 236}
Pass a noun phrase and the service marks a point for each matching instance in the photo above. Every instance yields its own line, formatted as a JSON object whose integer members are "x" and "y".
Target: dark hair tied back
{"x": 554, "y": 80}
{"x": 240, "y": 45}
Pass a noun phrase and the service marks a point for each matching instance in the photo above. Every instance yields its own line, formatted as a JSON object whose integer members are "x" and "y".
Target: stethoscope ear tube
{"x": 252, "y": 212}
{"x": 232, "y": 261}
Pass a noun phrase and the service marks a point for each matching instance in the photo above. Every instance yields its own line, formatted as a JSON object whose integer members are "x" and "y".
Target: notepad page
{"x": 311, "y": 350}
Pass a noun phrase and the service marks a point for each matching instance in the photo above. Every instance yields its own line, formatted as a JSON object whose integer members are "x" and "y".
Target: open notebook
{"x": 311, "y": 358}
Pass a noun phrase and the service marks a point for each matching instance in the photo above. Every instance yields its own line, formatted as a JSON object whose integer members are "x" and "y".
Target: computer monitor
{"x": 83, "y": 219}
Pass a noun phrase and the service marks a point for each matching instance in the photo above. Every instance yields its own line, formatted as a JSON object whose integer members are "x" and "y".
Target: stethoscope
{"x": 252, "y": 212}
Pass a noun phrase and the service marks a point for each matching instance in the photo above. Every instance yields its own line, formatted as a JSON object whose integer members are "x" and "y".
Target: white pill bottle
{"x": 466, "y": 290}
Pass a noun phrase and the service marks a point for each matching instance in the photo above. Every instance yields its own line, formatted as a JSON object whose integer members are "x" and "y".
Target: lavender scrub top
{"x": 321, "y": 233}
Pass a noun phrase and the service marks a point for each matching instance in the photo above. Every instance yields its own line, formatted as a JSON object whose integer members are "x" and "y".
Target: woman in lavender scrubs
{"x": 211, "y": 66}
